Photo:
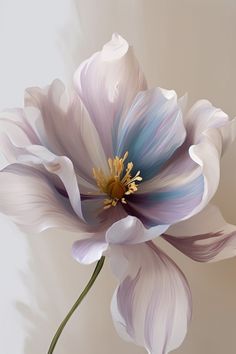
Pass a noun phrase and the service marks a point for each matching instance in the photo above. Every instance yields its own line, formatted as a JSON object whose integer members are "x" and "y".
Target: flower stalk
{"x": 94, "y": 276}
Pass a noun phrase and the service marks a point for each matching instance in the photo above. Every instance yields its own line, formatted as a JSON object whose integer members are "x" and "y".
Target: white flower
{"x": 122, "y": 164}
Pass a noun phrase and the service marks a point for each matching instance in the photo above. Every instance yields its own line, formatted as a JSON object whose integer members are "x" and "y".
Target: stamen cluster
{"x": 119, "y": 183}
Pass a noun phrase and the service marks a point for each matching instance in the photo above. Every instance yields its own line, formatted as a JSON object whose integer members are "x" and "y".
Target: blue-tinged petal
{"x": 151, "y": 132}
{"x": 169, "y": 204}
{"x": 152, "y": 304}
{"x": 107, "y": 83}
{"x": 192, "y": 174}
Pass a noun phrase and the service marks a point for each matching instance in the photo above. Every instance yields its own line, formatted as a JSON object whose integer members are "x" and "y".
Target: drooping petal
{"x": 130, "y": 230}
{"x": 107, "y": 83}
{"x": 204, "y": 237}
{"x": 89, "y": 250}
{"x": 31, "y": 201}
{"x": 152, "y": 304}
{"x": 65, "y": 128}
{"x": 151, "y": 132}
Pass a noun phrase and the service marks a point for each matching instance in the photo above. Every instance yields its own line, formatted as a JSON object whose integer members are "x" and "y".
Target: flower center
{"x": 119, "y": 183}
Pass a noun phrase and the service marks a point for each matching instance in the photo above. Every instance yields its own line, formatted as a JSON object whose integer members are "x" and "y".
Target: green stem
{"x": 74, "y": 307}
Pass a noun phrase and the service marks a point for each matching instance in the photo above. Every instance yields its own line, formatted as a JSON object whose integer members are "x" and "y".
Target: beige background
{"x": 185, "y": 45}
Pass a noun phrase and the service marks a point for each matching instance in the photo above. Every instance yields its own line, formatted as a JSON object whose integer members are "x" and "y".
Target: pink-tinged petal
{"x": 130, "y": 230}
{"x": 152, "y": 131}
{"x": 65, "y": 128}
{"x": 87, "y": 251}
{"x": 14, "y": 123}
{"x": 60, "y": 166}
{"x": 60, "y": 170}
{"x": 25, "y": 154}
{"x": 31, "y": 201}
{"x": 152, "y": 304}
{"x": 88, "y": 205}
{"x": 204, "y": 237}
{"x": 107, "y": 83}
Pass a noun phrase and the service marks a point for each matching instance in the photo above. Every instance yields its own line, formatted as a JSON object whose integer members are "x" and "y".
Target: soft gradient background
{"x": 187, "y": 45}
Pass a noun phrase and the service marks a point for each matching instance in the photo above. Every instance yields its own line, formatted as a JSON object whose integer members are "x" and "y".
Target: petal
{"x": 183, "y": 102}
{"x": 152, "y": 304}
{"x": 65, "y": 128}
{"x": 89, "y": 250}
{"x": 204, "y": 237}
{"x": 167, "y": 204}
{"x": 211, "y": 132}
{"x": 93, "y": 210}
{"x": 32, "y": 202}
{"x": 190, "y": 179}
{"x": 130, "y": 230}
{"x": 107, "y": 83}
{"x": 60, "y": 166}
{"x": 14, "y": 123}
{"x": 205, "y": 125}
{"x": 152, "y": 130}
{"x": 25, "y": 154}
{"x": 201, "y": 117}
{"x": 207, "y": 154}
{"x": 90, "y": 206}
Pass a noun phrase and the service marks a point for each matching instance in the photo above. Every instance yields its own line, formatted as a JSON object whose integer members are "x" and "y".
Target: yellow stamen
{"x": 119, "y": 183}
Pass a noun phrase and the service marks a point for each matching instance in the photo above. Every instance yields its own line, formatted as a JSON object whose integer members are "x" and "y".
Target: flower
{"x": 122, "y": 164}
